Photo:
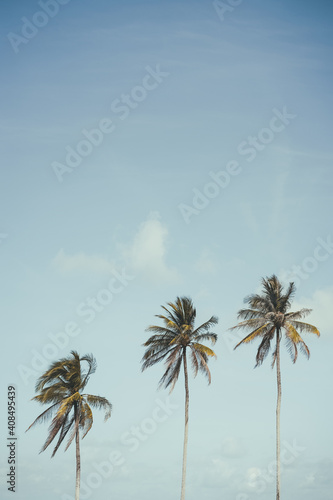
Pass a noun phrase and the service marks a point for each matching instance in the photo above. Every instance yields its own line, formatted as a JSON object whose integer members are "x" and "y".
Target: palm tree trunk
{"x": 78, "y": 458}
{"x": 278, "y": 408}
{"x": 182, "y": 496}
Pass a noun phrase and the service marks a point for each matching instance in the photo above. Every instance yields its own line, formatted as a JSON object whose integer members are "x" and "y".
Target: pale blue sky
{"x": 203, "y": 90}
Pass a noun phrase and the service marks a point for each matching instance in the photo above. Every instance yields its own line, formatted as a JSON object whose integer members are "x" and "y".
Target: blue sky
{"x": 208, "y": 167}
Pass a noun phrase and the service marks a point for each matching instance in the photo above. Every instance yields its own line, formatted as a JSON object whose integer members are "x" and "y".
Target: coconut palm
{"x": 267, "y": 317}
{"x": 172, "y": 341}
{"x": 61, "y": 386}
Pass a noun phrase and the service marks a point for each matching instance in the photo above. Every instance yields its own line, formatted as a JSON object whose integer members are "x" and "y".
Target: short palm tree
{"x": 61, "y": 386}
{"x": 267, "y": 317}
{"x": 172, "y": 341}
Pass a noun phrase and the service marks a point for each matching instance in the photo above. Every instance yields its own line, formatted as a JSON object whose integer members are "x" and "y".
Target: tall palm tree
{"x": 61, "y": 386}
{"x": 172, "y": 341}
{"x": 267, "y": 317}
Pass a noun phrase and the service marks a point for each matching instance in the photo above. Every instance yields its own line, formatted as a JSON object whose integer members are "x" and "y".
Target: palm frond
{"x": 264, "y": 346}
{"x": 211, "y": 337}
{"x": 250, "y": 323}
{"x": 203, "y": 349}
{"x": 202, "y": 329}
{"x": 100, "y": 403}
{"x": 48, "y": 413}
{"x": 304, "y": 327}
{"x": 298, "y": 314}
{"x": 294, "y": 340}
{"x": 247, "y": 314}
{"x": 261, "y": 330}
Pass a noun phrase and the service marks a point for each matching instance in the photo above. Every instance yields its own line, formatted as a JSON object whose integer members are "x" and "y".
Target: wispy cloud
{"x": 146, "y": 255}
{"x": 80, "y": 262}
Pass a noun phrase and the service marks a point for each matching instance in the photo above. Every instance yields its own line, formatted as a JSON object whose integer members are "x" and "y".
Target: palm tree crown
{"x": 171, "y": 341}
{"x": 61, "y": 386}
{"x": 268, "y": 314}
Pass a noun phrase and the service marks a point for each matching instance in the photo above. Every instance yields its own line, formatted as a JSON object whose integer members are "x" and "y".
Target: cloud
{"x": 321, "y": 305}
{"x": 146, "y": 255}
{"x": 81, "y": 262}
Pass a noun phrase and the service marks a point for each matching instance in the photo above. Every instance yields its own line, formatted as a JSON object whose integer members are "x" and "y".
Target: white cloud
{"x": 82, "y": 262}
{"x": 147, "y": 254}
{"x": 321, "y": 304}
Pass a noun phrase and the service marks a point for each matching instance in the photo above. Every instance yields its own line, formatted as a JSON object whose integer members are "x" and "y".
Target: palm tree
{"x": 267, "y": 318}
{"x": 171, "y": 341}
{"x": 61, "y": 386}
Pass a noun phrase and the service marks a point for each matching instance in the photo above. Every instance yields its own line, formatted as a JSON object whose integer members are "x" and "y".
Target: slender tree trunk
{"x": 278, "y": 408}
{"x": 182, "y": 496}
{"x": 78, "y": 458}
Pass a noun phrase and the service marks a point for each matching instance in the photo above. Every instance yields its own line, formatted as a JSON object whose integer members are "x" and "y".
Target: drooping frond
{"x": 48, "y": 413}
{"x": 92, "y": 365}
{"x": 99, "y": 403}
{"x": 86, "y": 419}
{"x": 294, "y": 340}
{"x": 66, "y": 427}
{"x": 304, "y": 327}
{"x": 203, "y": 366}
{"x": 59, "y": 420}
{"x": 171, "y": 374}
{"x": 264, "y": 346}
{"x": 256, "y": 333}
{"x": 154, "y": 355}
{"x": 203, "y": 349}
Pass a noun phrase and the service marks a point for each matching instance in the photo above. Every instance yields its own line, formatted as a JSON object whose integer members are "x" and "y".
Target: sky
{"x": 152, "y": 150}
